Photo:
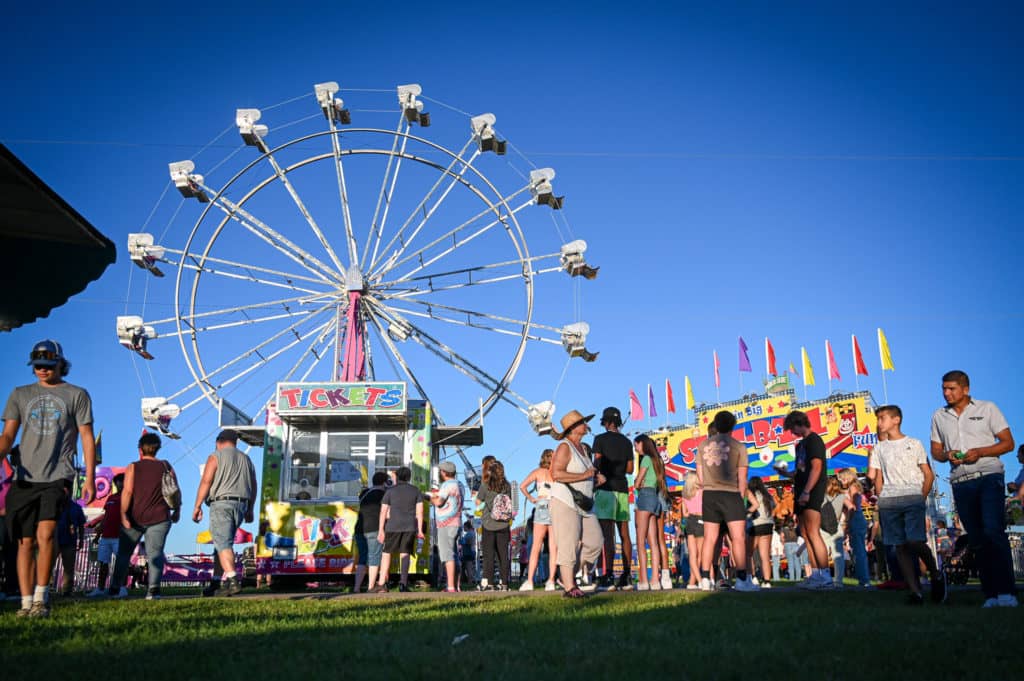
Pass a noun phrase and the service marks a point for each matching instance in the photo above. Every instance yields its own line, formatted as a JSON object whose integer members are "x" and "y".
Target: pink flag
{"x": 744, "y": 357}
{"x": 769, "y": 357}
{"x": 651, "y": 411}
{"x": 718, "y": 379}
{"x": 636, "y": 412}
{"x": 833, "y": 368}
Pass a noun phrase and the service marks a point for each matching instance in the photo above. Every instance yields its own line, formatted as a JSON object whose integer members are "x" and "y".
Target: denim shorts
{"x": 107, "y": 550}
{"x": 369, "y": 549}
{"x": 225, "y": 519}
{"x": 902, "y": 519}
{"x": 447, "y": 540}
{"x": 647, "y": 499}
{"x": 542, "y": 513}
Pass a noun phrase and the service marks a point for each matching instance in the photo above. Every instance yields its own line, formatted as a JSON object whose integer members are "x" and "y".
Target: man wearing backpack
{"x": 401, "y": 524}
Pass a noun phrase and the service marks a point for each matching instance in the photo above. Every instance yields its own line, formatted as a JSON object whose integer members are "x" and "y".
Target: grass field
{"x": 782, "y": 634}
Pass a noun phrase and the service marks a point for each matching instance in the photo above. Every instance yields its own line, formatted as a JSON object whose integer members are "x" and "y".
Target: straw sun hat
{"x": 570, "y": 421}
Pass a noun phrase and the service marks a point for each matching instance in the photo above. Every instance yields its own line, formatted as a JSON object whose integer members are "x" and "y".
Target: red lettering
{"x": 372, "y": 394}
{"x": 762, "y": 432}
{"x": 292, "y": 395}
{"x": 318, "y": 398}
{"x": 814, "y": 416}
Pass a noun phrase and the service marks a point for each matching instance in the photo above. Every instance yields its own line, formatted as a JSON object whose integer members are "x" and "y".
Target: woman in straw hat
{"x": 571, "y": 525}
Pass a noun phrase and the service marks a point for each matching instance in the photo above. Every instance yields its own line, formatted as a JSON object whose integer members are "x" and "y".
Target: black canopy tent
{"x": 50, "y": 251}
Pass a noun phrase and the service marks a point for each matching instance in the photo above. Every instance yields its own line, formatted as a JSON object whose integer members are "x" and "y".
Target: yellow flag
{"x": 808, "y": 369}
{"x": 883, "y": 352}
{"x": 690, "y": 402}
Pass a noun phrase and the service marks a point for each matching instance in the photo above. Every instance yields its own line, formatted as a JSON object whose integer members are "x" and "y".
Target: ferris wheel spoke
{"x": 319, "y": 342}
{"x": 339, "y": 169}
{"x": 386, "y": 192}
{"x": 397, "y": 354}
{"x": 471, "y": 314}
{"x": 517, "y": 264}
{"x": 204, "y": 379}
{"x": 262, "y": 360}
{"x": 274, "y": 238}
{"x": 262, "y": 146}
{"x": 402, "y": 293}
{"x": 240, "y": 308}
{"x": 448, "y": 172}
{"x": 195, "y": 267}
{"x": 456, "y": 243}
{"x": 498, "y": 388}
{"x": 288, "y": 277}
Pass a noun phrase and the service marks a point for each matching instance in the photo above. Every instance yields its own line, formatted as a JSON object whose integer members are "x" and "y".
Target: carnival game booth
{"x": 323, "y": 443}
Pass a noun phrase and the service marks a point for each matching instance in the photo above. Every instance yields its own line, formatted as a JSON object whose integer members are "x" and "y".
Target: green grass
{"x": 679, "y": 635}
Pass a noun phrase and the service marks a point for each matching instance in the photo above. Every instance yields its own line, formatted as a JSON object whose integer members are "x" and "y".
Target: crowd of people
{"x": 580, "y": 495}
{"x": 42, "y": 520}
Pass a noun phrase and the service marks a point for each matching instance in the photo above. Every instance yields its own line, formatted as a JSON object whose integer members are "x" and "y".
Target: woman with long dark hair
{"x": 759, "y": 532}
{"x": 496, "y": 536}
{"x": 650, "y": 488}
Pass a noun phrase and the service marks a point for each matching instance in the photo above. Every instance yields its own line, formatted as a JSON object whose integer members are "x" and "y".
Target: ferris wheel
{"x": 349, "y": 253}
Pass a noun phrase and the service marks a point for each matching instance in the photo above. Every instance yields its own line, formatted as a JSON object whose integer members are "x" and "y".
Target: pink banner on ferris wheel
{"x": 354, "y": 367}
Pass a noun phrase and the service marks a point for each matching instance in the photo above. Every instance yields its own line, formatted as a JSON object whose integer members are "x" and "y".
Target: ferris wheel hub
{"x": 354, "y": 281}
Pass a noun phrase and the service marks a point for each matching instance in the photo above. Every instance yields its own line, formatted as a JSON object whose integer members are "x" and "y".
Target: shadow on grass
{"x": 621, "y": 636}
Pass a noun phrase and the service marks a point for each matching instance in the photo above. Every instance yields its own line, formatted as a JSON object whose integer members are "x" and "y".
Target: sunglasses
{"x": 48, "y": 355}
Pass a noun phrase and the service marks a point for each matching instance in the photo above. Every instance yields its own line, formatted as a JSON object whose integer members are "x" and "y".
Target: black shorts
{"x": 764, "y": 530}
{"x": 399, "y": 542}
{"x": 694, "y": 526}
{"x": 814, "y": 502}
{"x": 722, "y": 507}
{"x": 30, "y": 503}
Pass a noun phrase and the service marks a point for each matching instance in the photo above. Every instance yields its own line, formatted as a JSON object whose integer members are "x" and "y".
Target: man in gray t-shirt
{"x": 51, "y": 415}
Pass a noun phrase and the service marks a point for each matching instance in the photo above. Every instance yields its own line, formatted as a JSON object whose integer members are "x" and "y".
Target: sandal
{"x": 574, "y": 593}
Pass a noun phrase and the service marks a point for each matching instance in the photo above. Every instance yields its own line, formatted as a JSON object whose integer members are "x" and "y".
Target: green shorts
{"x": 611, "y": 505}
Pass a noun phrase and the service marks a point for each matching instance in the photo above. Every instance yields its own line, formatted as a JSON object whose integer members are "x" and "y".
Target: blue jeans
{"x": 858, "y": 535}
{"x": 794, "y": 560}
{"x": 156, "y": 536}
{"x": 776, "y": 568}
{"x": 980, "y": 503}
{"x": 225, "y": 519}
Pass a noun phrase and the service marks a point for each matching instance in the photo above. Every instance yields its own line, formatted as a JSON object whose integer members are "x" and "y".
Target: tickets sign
{"x": 340, "y": 398}
{"x": 846, "y": 423}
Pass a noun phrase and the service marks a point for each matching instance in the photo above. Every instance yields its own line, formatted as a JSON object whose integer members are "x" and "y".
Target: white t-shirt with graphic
{"x": 900, "y": 462}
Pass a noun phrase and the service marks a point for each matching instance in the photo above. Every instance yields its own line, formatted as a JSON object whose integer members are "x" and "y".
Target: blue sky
{"x": 787, "y": 171}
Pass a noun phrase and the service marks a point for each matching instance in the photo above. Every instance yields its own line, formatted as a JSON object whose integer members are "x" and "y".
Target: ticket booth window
{"x": 389, "y": 451}
{"x": 347, "y": 459}
{"x": 304, "y": 483}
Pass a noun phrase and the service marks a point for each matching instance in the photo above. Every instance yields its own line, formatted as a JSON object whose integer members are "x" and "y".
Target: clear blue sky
{"x": 787, "y": 171}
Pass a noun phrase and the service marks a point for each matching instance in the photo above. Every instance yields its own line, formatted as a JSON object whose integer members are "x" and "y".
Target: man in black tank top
{"x": 613, "y": 457}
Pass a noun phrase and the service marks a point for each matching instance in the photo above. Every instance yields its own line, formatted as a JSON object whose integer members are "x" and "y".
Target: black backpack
{"x": 829, "y": 519}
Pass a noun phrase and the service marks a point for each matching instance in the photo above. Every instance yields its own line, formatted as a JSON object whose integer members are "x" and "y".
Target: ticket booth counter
{"x": 323, "y": 443}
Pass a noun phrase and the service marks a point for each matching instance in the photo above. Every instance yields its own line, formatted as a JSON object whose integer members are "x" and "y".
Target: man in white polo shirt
{"x": 971, "y": 435}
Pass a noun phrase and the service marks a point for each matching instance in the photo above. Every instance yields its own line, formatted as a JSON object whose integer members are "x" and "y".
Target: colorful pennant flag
{"x": 651, "y": 411}
{"x": 690, "y": 402}
{"x": 744, "y": 357}
{"x": 792, "y": 369}
{"x": 670, "y": 402}
{"x": 858, "y": 359}
{"x": 718, "y": 377}
{"x": 636, "y": 412}
{"x": 769, "y": 357}
{"x": 833, "y": 368}
{"x": 808, "y": 369}
{"x": 883, "y": 352}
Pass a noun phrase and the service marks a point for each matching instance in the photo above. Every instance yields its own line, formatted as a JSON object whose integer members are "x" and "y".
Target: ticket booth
{"x": 323, "y": 443}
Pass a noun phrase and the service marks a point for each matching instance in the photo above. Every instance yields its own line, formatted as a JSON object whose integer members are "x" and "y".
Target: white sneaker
{"x": 1006, "y": 601}
{"x": 655, "y": 585}
{"x": 766, "y": 585}
{"x": 121, "y": 593}
{"x": 527, "y": 586}
{"x": 813, "y": 582}
{"x": 991, "y": 603}
{"x": 666, "y": 580}
{"x": 96, "y": 593}
{"x": 588, "y": 587}
{"x": 705, "y": 584}
{"x": 756, "y": 581}
{"x": 693, "y": 587}
{"x": 643, "y": 586}
{"x": 746, "y": 585}
{"x": 550, "y": 586}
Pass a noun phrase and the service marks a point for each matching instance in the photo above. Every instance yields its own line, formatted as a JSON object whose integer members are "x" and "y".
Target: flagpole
{"x": 885, "y": 388}
{"x": 828, "y": 361}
